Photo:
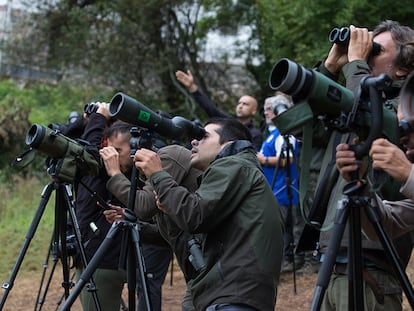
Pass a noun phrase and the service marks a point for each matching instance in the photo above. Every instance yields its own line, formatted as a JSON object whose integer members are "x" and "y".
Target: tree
{"x": 135, "y": 46}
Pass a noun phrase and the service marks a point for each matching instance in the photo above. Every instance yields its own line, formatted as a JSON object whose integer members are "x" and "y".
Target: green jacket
{"x": 372, "y": 250}
{"x": 237, "y": 212}
{"x": 176, "y": 161}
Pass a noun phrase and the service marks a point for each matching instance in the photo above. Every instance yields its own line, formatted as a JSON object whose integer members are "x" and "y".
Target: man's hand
{"x": 391, "y": 159}
{"x": 116, "y": 213}
{"x": 111, "y": 160}
{"x": 337, "y": 58}
{"x": 103, "y": 109}
{"x": 346, "y": 161}
{"x": 147, "y": 161}
{"x": 187, "y": 80}
{"x": 360, "y": 43}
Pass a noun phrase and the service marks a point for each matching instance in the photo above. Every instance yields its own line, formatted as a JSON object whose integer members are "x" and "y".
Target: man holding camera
{"x": 396, "y": 59}
{"x": 236, "y": 211}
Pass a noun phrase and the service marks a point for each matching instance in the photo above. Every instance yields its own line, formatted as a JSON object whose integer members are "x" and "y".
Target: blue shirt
{"x": 280, "y": 189}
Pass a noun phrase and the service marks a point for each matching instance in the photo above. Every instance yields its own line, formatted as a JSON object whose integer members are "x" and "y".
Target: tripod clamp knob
{"x": 354, "y": 187}
{"x": 129, "y": 215}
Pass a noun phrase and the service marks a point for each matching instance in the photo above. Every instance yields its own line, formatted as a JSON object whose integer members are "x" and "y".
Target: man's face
{"x": 246, "y": 107}
{"x": 121, "y": 143}
{"x": 384, "y": 61}
{"x": 268, "y": 113}
{"x": 204, "y": 151}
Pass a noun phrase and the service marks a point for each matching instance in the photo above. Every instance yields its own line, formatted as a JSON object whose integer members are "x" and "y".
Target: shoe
{"x": 309, "y": 268}
{"x": 287, "y": 266}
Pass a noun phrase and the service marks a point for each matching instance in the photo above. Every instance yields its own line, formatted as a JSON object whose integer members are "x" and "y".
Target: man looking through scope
{"x": 109, "y": 280}
{"x": 235, "y": 209}
{"x": 176, "y": 161}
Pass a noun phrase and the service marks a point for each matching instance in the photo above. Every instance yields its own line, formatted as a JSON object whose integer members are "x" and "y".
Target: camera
{"x": 132, "y": 111}
{"x": 196, "y": 257}
{"x": 341, "y": 36}
{"x": 73, "y": 128}
{"x": 71, "y": 156}
{"x": 316, "y": 96}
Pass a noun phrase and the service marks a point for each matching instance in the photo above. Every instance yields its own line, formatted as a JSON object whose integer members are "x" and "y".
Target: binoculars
{"x": 341, "y": 36}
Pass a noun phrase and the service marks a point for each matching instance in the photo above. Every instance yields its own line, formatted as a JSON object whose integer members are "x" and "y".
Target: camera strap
{"x": 305, "y": 165}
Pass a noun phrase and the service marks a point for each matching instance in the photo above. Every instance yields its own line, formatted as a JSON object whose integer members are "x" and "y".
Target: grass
{"x": 20, "y": 202}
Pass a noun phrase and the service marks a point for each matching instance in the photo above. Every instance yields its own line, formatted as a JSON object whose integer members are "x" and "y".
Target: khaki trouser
{"x": 109, "y": 284}
{"x": 336, "y": 297}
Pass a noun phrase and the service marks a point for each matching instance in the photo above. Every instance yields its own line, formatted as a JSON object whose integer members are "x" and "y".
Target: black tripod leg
{"x": 7, "y": 286}
{"x": 355, "y": 282}
{"x": 41, "y": 301}
{"x": 78, "y": 237}
{"x": 93, "y": 265}
{"x": 391, "y": 253}
{"x": 59, "y": 244}
{"x": 325, "y": 272}
{"x": 141, "y": 265}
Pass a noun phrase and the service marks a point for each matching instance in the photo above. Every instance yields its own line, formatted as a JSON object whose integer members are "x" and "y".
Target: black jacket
{"x": 87, "y": 209}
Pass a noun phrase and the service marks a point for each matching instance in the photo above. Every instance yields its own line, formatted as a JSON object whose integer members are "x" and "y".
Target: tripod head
{"x": 140, "y": 138}
{"x": 369, "y": 95}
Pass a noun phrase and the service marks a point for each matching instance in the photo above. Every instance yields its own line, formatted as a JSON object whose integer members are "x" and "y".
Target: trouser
{"x": 292, "y": 221}
{"x": 336, "y": 297}
{"x": 157, "y": 260}
{"x": 109, "y": 284}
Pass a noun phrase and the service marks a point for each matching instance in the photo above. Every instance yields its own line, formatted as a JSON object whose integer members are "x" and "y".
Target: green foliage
{"x": 36, "y": 103}
{"x": 18, "y": 207}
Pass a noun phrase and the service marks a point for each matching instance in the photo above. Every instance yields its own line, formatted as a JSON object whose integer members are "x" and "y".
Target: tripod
{"x": 129, "y": 228}
{"x": 349, "y": 208}
{"x": 58, "y": 248}
{"x": 284, "y": 162}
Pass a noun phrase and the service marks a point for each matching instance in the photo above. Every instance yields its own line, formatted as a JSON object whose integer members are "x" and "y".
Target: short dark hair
{"x": 403, "y": 37}
{"x": 230, "y": 129}
{"x": 118, "y": 127}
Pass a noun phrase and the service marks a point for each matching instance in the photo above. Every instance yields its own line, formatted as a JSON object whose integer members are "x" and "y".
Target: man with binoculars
{"x": 395, "y": 58}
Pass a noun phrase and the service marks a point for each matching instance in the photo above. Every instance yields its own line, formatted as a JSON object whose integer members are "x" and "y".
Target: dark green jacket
{"x": 372, "y": 250}
{"x": 236, "y": 210}
{"x": 176, "y": 161}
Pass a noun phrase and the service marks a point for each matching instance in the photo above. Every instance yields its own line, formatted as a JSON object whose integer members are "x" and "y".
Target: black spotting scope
{"x": 132, "y": 111}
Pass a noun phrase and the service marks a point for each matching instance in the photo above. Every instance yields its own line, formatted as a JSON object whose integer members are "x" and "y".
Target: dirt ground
{"x": 291, "y": 297}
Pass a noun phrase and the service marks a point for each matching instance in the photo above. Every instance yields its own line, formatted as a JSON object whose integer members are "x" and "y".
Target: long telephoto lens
{"x": 47, "y": 140}
{"x": 291, "y": 78}
{"x": 323, "y": 94}
{"x": 35, "y": 136}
